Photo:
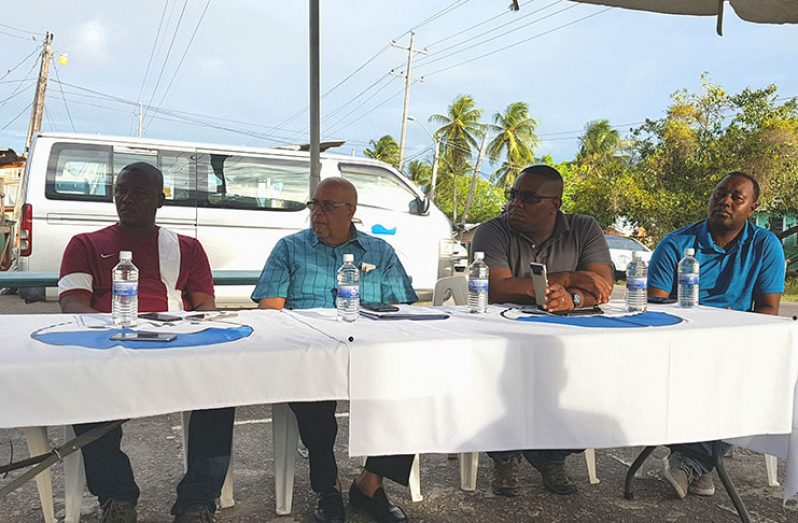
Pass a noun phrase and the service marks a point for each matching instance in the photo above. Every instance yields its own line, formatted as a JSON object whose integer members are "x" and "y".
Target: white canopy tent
{"x": 760, "y": 11}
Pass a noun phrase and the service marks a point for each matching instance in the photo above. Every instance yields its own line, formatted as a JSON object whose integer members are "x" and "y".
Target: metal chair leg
{"x": 745, "y": 517}
{"x": 630, "y": 475}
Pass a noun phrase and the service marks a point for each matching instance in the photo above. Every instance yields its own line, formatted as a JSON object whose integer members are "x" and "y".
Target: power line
{"x": 19, "y": 29}
{"x": 12, "y": 35}
{"x": 6, "y": 126}
{"x": 16, "y": 92}
{"x": 63, "y": 97}
{"x": 446, "y": 10}
{"x": 168, "y": 52}
{"x": 602, "y": 11}
{"x": 436, "y": 58}
{"x": 19, "y": 86}
{"x": 21, "y": 62}
{"x": 347, "y": 115}
{"x": 185, "y": 52}
{"x": 504, "y": 12}
{"x": 152, "y": 52}
{"x": 394, "y": 95}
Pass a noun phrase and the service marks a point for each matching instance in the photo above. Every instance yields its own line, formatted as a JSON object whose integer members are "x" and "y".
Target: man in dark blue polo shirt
{"x": 301, "y": 274}
{"x": 742, "y": 268}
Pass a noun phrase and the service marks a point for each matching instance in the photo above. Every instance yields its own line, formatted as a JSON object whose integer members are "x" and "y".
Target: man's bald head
{"x": 337, "y": 189}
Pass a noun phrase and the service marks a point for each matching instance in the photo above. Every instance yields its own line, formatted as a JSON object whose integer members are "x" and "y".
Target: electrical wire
{"x": 19, "y": 29}
{"x": 152, "y": 52}
{"x": 503, "y": 13}
{"x": 185, "y": 52}
{"x": 38, "y": 48}
{"x": 63, "y": 97}
{"x": 339, "y": 129}
{"x": 347, "y": 115}
{"x": 168, "y": 52}
{"x": 6, "y": 126}
{"x": 602, "y": 11}
{"x": 12, "y": 35}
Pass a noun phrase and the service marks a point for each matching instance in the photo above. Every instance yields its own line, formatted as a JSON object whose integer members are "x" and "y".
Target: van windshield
{"x": 242, "y": 182}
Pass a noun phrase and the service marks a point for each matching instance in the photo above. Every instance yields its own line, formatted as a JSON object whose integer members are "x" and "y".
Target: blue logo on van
{"x": 381, "y": 229}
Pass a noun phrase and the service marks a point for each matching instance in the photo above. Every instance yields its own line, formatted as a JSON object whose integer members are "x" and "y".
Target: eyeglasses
{"x": 526, "y": 197}
{"x": 325, "y": 206}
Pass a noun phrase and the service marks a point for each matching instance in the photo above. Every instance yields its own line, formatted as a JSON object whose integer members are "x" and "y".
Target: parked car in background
{"x": 621, "y": 248}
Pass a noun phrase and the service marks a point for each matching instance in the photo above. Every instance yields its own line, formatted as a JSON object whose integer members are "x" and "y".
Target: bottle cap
{"x": 125, "y": 255}
{"x": 349, "y": 258}
{"x": 689, "y": 251}
{"x": 479, "y": 255}
{"x": 637, "y": 255}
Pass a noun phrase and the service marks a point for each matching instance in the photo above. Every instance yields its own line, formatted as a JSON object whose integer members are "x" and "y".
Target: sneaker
{"x": 330, "y": 508}
{"x": 702, "y": 486}
{"x": 505, "y": 476}
{"x": 118, "y": 512}
{"x": 679, "y": 474}
{"x": 196, "y": 515}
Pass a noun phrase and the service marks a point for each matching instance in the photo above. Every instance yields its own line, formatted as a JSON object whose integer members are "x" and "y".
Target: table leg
{"x": 745, "y": 517}
{"x": 630, "y": 475}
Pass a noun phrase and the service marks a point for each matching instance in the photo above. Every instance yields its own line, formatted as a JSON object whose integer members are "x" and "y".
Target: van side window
{"x": 378, "y": 187}
{"x": 241, "y": 182}
{"x": 87, "y": 172}
{"x": 79, "y": 172}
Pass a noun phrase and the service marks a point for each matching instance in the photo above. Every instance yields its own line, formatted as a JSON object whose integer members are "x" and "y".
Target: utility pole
{"x": 410, "y": 52}
{"x": 141, "y": 117}
{"x": 37, "y": 109}
{"x": 434, "y": 170}
{"x": 315, "y": 100}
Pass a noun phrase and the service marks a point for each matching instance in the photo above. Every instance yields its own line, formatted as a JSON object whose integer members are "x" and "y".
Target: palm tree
{"x": 420, "y": 173}
{"x": 515, "y": 140}
{"x": 385, "y": 149}
{"x": 599, "y": 142}
{"x": 459, "y": 130}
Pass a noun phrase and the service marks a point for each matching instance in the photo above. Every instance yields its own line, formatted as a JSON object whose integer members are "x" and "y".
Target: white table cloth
{"x": 282, "y": 360}
{"x": 483, "y": 382}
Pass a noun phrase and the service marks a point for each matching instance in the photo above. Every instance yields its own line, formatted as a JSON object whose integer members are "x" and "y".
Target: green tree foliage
{"x": 488, "y": 198}
{"x": 385, "y": 149}
{"x": 458, "y": 132}
{"x": 514, "y": 144}
{"x": 420, "y": 173}
{"x": 662, "y": 179}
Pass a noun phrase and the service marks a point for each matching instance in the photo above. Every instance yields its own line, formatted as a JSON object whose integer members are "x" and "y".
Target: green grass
{"x": 791, "y": 288}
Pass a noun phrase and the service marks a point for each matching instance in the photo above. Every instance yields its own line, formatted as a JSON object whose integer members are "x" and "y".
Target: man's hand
{"x": 558, "y": 298}
{"x": 596, "y": 280}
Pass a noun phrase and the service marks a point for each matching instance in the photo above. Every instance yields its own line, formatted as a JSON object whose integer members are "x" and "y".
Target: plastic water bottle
{"x": 125, "y": 304}
{"x": 478, "y": 284}
{"x": 688, "y": 280}
{"x": 636, "y": 284}
{"x": 347, "y": 300}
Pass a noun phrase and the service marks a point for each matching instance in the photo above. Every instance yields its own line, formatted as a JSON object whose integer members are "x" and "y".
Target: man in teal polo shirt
{"x": 301, "y": 274}
{"x": 742, "y": 268}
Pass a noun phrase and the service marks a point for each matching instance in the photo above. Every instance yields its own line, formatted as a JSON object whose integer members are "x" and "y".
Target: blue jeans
{"x": 538, "y": 458}
{"x": 698, "y": 456}
{"x": 109, "y": 475}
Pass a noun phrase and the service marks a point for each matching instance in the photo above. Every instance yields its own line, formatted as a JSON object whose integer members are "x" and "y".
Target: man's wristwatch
{"x": 577, "y": 299}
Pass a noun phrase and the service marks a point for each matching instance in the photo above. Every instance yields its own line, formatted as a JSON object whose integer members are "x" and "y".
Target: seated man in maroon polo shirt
{"x": 174, "y": 274}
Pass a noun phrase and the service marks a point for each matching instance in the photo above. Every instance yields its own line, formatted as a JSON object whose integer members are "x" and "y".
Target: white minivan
{"x": 237, "y": 201}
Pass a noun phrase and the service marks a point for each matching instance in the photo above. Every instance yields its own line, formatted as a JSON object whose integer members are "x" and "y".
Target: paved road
{"x": 154, "y": 445}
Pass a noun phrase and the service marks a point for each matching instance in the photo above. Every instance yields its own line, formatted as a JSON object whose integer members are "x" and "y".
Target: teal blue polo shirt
{"x": 754, "y": 265}
{"x": 303, "y": 270}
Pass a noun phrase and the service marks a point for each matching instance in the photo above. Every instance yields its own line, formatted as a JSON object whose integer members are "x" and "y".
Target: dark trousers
{"x": 109, "y": 475}
{"x": 538, "y": 457}
{"x": 699, "y": 455}
{"x": 318, "y": 428}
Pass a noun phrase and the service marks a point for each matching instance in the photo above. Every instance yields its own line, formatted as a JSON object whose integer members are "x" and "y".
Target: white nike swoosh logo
{"x": 107, "y": 255}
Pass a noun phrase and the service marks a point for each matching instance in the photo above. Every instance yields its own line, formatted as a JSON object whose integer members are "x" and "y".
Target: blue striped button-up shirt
{"x": 302, "y": 269}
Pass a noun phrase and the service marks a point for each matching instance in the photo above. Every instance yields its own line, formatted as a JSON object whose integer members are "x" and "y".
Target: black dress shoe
{"x": 379, "y": 506}
{"x": 330, "y": 508}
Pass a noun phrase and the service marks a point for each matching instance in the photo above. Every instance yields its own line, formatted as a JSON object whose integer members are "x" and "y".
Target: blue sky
{"x": 247, "y": 67}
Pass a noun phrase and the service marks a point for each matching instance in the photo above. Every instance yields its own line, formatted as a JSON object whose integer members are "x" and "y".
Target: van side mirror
{"x": 419, "y": 206}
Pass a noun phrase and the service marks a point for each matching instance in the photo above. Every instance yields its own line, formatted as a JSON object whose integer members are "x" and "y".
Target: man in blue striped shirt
{"x": 301, "y": 274}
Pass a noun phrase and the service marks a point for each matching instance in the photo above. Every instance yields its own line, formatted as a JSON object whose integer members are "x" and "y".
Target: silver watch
{"x": 577, "y": 300}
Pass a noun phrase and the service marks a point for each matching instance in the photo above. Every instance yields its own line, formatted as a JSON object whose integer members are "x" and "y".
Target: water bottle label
{"x": 688, "y": 279}
{"x": 126, "y": 288}
{"x": 349, "y": 292}
{"x": 636, "y": 283}
{"x": 477, "y": 285}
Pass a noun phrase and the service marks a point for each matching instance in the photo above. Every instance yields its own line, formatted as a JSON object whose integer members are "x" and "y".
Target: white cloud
{"x": 93, "y": 42}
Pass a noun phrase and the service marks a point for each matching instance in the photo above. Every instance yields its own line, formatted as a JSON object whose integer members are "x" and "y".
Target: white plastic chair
{"x": 455, "y": 287}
